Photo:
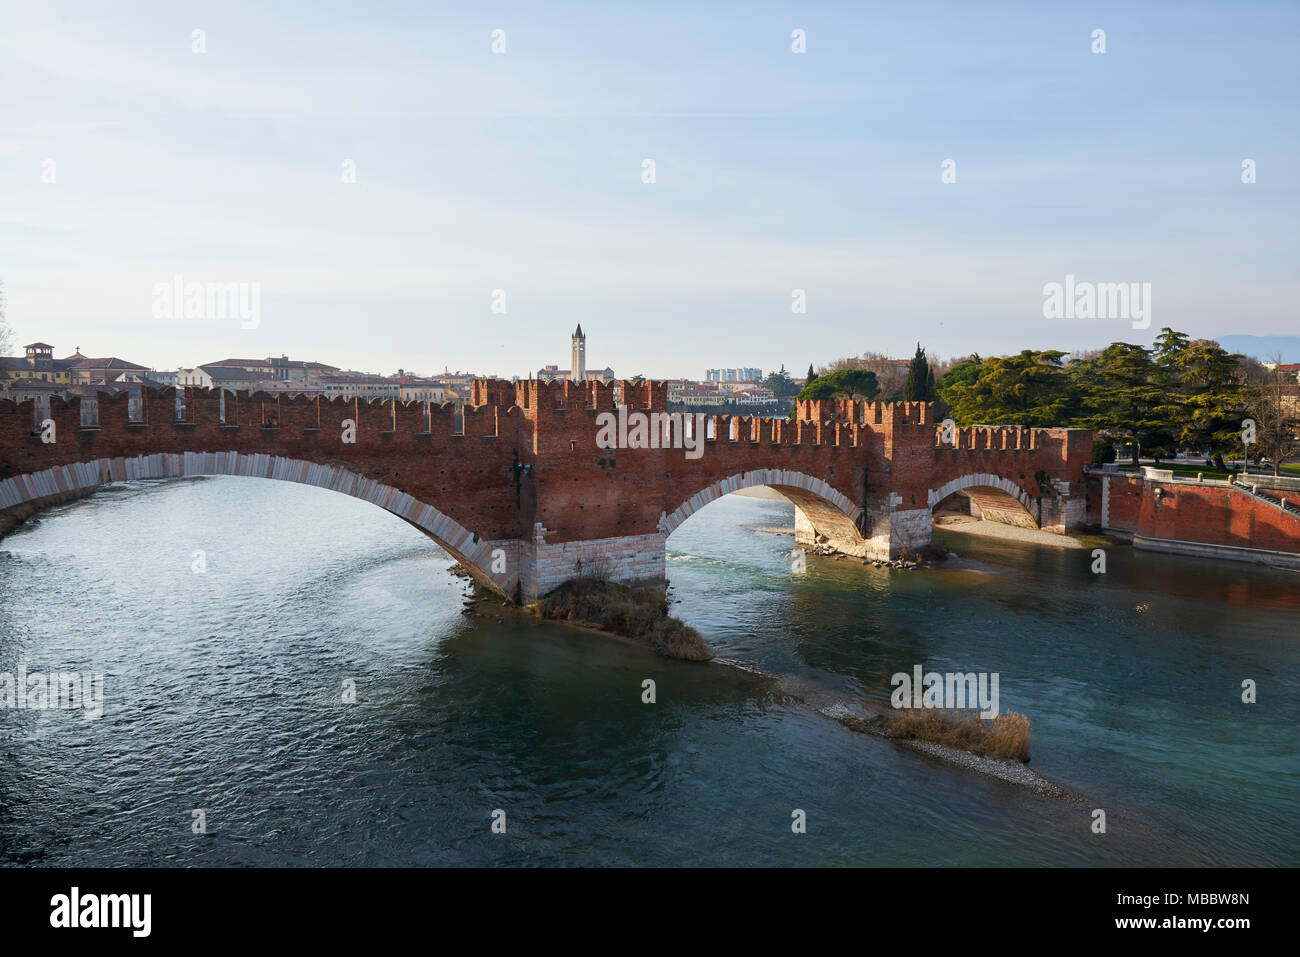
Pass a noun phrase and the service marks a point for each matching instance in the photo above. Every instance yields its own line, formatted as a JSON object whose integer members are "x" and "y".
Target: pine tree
{"x": 1123, "y": 397}
{"x": 1026, "y": 389}
{"x": 812, "y": 376}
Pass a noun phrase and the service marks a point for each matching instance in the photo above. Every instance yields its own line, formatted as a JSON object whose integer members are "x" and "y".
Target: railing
{"x": 1285, "y": 483}
{"x": 1253, "y": 490}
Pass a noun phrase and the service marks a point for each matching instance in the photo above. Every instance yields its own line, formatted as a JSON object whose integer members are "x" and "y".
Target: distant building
{"x": 196, "y": 378}
{"x": 703, "y": 398}
{"x": 233, "y": 378}
{"x": 1290, "y": 368}
{"x": 419, "y": 389}
{"x": 734, "y": 375}
{"x": 102, "y": 371}
{"x": 282, "y": 368}
{"x": 39, "y": 363}
{"x": 22, "y": 389}
{"x": 756, "y": 397}
{"x": 360, "y": 386}
{"x": 578, "y": 365}
{"x": 577, "y": 371}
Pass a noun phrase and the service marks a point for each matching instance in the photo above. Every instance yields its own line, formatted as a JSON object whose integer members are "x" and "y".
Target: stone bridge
{"x": 535, "y": 483}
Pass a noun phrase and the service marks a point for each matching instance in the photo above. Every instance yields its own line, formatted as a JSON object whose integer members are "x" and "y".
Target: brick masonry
{"x": 521, "y": 491}
{"x": 1193, "y": 518}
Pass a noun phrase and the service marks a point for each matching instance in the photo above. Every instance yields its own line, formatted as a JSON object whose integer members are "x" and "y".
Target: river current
{"x": 229, "y": 617}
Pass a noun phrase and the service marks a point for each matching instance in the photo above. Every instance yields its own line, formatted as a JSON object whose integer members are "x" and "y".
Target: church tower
{"x": 578, "y": 362}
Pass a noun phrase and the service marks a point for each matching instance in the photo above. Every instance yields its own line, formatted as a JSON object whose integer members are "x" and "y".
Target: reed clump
{"x": 640, "y": 613}
{"x": 1004, "y": 736}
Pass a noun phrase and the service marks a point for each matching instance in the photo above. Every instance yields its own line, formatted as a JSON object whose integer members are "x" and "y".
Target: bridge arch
{"x": 827, "y": 511}
{"x": 998, "y": 499}
{"x": 474, "y": 552}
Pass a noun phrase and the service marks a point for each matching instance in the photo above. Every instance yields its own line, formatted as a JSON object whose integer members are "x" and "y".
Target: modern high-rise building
{"x": 733, "y": 375}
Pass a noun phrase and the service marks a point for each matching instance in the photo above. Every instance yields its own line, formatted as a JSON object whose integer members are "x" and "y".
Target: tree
{"x": 1028, "y": 389}
{"x": 889, "y": 374}
{"x": 1275, "y": 415}
{"x": 6, "y": 334}
{"x": 1208, "y": 399}
{"x": 919, "y": 386}
{"x": 1121, "y": 396}
{"x": 812, "y": 376}
{"x": 843, "y": 384}
{"x": 780, "y": 383}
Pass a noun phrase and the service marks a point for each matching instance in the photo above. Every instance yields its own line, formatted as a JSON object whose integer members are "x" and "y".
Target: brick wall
{"x": 526, "y": 456}
{"x": 1180, "y": 511}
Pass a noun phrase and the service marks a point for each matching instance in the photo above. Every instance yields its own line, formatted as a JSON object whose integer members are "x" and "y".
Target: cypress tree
{"x": 920, "y": 381}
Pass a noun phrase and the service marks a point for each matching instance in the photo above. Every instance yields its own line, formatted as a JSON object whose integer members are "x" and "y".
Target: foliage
{"x": 780, "y": 383}
{"x": 1276, "y": 422}
{"x": 6, "y": 334}
{"x": 919, "y": 386}
{"x": 842, "y": 384}
{"x": 1029, "y": 389}
{"x": 1180, "y": 394}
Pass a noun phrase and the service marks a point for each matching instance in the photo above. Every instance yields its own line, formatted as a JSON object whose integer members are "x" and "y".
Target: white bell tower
{"x": 578, "y": 361}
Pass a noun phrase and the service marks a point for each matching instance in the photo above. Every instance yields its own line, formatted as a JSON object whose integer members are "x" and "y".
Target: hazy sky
{"x": 522, "y": 171}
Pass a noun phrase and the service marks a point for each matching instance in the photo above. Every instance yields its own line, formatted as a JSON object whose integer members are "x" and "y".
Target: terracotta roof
{"x": 27, "y": 383}
{"x": 108, "y": 363}
{"x": 220, "y": 372}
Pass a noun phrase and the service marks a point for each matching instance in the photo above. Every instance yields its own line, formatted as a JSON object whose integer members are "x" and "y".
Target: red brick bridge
{"x": 518, "y": 487}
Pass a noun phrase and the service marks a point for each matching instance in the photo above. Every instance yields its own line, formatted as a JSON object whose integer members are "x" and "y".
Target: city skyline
{"x": 521, "y": 173}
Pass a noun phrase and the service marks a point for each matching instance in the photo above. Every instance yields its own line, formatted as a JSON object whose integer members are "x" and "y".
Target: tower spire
{"x": 578, "y": 363}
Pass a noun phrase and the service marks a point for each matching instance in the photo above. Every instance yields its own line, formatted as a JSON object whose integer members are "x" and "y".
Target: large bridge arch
{"x": 822, "y": 512}
{"x": 472, "y": 551}
{"x": 998, "y": 499}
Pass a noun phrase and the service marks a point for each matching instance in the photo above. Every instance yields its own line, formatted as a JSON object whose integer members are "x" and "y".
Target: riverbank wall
{"x": 1217, "y": 519}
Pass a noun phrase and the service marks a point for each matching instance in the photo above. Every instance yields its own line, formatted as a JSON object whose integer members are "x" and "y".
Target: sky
{"x": 500, "y": 197}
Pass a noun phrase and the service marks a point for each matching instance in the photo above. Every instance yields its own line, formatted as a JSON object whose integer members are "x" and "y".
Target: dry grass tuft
{"x": 640, "y": 613}
{"x": 1006, "y": 736}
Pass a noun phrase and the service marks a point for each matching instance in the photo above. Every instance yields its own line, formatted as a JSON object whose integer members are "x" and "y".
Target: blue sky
{"x": 521, "y": 171}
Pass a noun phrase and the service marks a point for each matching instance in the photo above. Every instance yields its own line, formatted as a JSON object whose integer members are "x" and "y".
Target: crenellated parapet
{"x": 552, "y": 474}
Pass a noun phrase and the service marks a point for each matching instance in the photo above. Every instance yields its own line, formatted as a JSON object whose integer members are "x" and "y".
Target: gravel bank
{"x": 967, "y": 525}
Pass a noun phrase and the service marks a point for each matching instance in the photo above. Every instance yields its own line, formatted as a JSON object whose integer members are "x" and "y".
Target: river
{"x": 227, "y": 616}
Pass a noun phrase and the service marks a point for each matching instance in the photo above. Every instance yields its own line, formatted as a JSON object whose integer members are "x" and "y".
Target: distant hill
{"x": 1263, "y": 348}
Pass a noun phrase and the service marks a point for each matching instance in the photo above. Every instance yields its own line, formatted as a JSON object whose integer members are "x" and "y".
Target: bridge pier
{"x": 627, "y": 560}
{"x": 485, "y": 482}
{"x": 889, "y": 535}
